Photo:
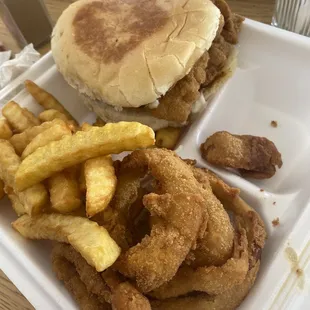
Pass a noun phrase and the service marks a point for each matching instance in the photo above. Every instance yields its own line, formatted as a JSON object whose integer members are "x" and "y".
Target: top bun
{"x": 128, "y": 53}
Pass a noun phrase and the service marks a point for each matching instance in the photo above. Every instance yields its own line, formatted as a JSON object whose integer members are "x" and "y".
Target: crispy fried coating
{"x": 124, "y": 295}
{"x": 91, "y": 289}
{"x": 170, "y": 240}
{"x": 216, "y": 245}
{"x": 186, "y": 204}
{"x": 212, "y": 280}
{"x": 177, "y": 103}
{"x": 232, "y": 24}
{"x": 222, "y": 47}
{"x": 229, "y": 300}
{"x": 67, "y": 273}
{"x": 120, "y": 217}
{"x": 246, "y": 216}
{"x": 219, "y": 54}
{"x": 255, "y": 157}
{"x": 177, "y": 201}
{"x": 86, "y": 273}
{"x": 128, "y": 193}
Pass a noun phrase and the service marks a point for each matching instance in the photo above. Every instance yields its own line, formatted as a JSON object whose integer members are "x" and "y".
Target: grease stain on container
{"x": 293, "y": 259}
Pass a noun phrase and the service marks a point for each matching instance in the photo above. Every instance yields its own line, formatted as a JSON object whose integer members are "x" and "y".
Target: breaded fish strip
{"x": 177, "y": 201}
{"x": 212, "y": 280}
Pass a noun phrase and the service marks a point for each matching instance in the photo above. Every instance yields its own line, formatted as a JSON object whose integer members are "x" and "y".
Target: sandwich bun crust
{"x": 128, "y": 53}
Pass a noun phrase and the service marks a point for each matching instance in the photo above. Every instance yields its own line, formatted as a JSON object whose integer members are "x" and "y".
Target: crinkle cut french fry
{"x": 64, "y": 191}
{"x": 86, "y": 127}
{"x": 100, "y": 183}
{"x": 92, "y": 241}
{"x": 82, "y": 181}
{"x": 32, "y": 117}
{"x": 5, "y": 130}
{"x": 35, "y": 197}
{"x": 54, "y": 133}
{"x": 21, "y": 140}
{"x": 9, "y": 163}
{"x": 50, "y": 115}
{"x": 17, "y": 117}
{"x": 45, "y": 99}
{"x": 56, "y": 156}
{"x": 167, "y": 137}
{"x": 16, "y": 203}
{"x": 2, "y": 193}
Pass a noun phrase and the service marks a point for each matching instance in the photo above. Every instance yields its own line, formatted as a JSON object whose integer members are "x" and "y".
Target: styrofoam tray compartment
{"x": 271, "y": 83}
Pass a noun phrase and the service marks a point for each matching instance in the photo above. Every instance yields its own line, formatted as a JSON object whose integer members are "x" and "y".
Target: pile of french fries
{"x": 52, "y": 169}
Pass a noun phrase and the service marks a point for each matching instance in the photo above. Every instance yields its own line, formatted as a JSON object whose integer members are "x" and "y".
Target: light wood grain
{"x": 10, "y": 297}
{"x": 260, "y": 10}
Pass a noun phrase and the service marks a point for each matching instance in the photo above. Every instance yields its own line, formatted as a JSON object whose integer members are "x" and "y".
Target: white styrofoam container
{"x": 272, "y": 82}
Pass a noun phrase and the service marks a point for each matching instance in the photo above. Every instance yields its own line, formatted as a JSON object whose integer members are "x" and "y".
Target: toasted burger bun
{"x": 130, "y": 53}
{"x": 112, "y": 114}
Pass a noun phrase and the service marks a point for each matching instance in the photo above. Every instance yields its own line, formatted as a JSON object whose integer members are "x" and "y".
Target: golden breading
{"x": 254, "y": 157}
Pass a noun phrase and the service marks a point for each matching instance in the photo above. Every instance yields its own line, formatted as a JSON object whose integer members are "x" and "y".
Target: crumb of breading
{"x": 274, "y": 203}
{"x": 261, "y": 190}
{"x": 276, "y": 222}
{"x": 274, "y": 124}
{"x": 299, "y": 272}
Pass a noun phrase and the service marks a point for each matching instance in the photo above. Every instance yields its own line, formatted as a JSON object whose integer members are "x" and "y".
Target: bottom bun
{"x": 111, "y": 115}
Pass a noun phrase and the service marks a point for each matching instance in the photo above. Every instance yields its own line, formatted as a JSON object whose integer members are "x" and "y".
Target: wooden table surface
{"x": 260, "y": 10}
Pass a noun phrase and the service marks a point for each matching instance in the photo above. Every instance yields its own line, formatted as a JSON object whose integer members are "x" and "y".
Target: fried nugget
{"x": 254, "y": 157}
